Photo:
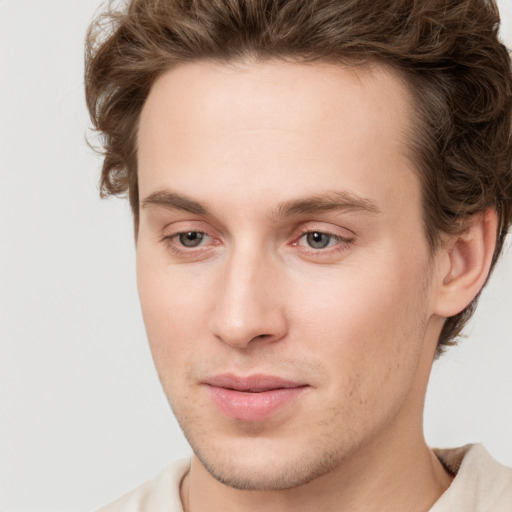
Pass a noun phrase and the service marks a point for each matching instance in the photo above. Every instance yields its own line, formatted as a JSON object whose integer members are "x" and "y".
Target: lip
{"x": 252, "y": 398}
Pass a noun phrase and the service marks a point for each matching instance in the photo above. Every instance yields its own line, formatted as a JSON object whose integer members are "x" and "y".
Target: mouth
{"x": 253, "y": 398}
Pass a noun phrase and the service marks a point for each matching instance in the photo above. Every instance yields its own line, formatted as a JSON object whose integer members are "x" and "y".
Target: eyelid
{"x": 180, "y": 226}
{"x": 315, "y": 227}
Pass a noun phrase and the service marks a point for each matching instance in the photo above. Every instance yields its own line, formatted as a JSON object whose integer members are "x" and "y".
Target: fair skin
{"x": 291, "y": 301}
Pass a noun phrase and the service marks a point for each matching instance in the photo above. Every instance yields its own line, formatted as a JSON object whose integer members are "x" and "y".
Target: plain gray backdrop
{"x": 83, "y": 419}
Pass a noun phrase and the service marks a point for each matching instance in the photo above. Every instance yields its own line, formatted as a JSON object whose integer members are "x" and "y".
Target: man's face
{"x": 283, "y": 270}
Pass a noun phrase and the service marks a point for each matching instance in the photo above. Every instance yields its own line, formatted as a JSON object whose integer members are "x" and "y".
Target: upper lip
{"x": 252, "y": 383}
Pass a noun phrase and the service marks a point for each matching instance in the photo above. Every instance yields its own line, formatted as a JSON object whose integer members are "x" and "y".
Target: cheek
{"x": 368, "y": 327}
{"x": 173, "y": 311}
{"x": 362, "y": 304}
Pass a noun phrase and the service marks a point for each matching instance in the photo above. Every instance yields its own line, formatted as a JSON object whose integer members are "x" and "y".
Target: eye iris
{"x": 317, "y": 240}
{"x": 191, "y": 239}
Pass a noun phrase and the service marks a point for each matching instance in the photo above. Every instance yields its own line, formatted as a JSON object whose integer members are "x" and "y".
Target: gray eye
{"x": 191, "y": 239}
{"x": 318, "y": 240}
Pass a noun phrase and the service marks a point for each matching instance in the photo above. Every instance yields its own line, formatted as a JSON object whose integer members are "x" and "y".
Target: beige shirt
{"x": 481, "y": 485}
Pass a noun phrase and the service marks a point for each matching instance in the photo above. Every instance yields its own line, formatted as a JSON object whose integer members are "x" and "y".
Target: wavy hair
{"x": 448, "y": 51}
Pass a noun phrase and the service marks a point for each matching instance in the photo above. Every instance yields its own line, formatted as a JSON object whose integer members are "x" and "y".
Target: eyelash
{"x": 341, "y": 243}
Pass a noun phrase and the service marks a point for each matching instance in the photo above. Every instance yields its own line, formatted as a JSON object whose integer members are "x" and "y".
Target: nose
{"x": 248, "y": 307}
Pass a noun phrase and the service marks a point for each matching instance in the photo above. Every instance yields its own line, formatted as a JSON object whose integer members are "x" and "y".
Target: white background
{"x": 83, "y": 419}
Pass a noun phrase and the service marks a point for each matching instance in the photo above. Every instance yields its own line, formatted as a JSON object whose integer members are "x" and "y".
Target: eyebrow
{"x": 327, "y": 201}
{"x": 174, "y": 201}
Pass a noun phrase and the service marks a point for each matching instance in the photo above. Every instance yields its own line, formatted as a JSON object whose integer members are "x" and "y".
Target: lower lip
{"x": 246, "y": 406}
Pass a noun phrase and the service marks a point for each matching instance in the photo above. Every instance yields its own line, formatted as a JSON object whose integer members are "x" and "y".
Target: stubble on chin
{"x": 253, "y": 460}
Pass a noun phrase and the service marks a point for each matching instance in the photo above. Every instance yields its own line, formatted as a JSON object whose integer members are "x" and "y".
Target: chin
{"x": 266, "y": 465}
{"x": 249, "y": 477}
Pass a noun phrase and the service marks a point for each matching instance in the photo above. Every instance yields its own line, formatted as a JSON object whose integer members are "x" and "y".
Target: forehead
{"x": 275, "y": 122}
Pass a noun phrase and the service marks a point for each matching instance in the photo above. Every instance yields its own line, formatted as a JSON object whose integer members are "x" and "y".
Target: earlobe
{"x": 467, "y": 260}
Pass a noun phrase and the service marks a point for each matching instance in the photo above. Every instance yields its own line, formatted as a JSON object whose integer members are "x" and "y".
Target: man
{"x": 320, "y": 190}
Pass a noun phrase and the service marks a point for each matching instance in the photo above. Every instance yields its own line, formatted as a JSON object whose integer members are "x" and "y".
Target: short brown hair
{"x": 447, "y": 50}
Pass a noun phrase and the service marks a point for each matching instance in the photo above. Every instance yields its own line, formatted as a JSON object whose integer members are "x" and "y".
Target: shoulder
{"x": 161, "y": 494}
{"x": 481, "y": 484}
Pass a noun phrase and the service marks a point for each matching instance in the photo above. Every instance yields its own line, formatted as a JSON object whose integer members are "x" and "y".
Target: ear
{"x": 464, "y": 263}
